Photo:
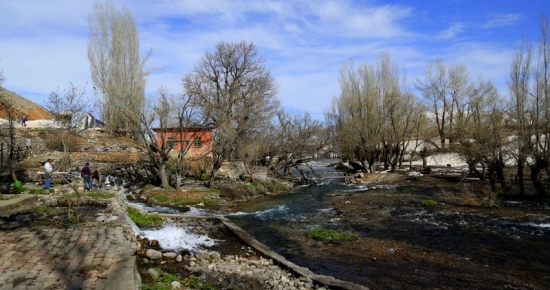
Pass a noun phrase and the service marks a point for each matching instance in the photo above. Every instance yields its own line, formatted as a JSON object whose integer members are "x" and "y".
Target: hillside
{"x": 21, "y": 106}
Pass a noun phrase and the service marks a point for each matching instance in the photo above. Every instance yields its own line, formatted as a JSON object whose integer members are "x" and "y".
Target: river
{"x": 404, "y": 243}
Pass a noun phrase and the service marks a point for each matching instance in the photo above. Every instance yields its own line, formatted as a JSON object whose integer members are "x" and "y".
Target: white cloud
{"x": 304, "y": 42}
{"x": 502, "y": 20}
{"x": 451, "y": 32}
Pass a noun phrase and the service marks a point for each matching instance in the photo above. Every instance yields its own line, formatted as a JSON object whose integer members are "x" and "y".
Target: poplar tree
{"x": 117, "y": 68}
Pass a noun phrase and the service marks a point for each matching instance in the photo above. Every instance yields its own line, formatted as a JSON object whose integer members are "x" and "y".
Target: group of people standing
{"x": 90, "y": 178}
{"x": 23, "y": 120}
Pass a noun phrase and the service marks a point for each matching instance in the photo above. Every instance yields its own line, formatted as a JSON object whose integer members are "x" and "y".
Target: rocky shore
{"x": 240, "y": 262}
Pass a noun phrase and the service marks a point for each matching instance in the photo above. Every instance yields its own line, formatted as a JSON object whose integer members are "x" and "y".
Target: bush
{"x": 14, "y": 188}
{"x": 17, "y": 187}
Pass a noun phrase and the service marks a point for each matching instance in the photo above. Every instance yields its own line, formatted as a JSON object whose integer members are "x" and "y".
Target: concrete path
{"x": 94, "y": 255}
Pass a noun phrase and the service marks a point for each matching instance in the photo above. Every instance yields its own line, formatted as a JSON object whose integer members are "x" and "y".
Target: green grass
{"x": 330, "y": 235}
{"x": 143, "y": 220}
{"x": 160, "y": 197}
{"x": 44, "y": 209}
{"x": 430, "y": 202}
{"x": 38, "y": 191}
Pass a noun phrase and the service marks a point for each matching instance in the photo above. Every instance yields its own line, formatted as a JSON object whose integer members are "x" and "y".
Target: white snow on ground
{"x": 442, "y": 160}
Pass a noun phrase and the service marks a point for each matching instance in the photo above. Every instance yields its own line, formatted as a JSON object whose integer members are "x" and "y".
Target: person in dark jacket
{"x": 86, "y": 174}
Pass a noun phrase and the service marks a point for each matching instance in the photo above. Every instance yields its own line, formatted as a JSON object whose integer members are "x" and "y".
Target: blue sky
{"x": 43, "y": 43}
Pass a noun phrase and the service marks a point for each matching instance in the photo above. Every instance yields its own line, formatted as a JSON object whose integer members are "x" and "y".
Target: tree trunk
{"x": 536, "y": 169}
{"x": 372, "y": 167}
{"x": 178, "y": 181}
{"x": 212, "y": 175}
{"x": 163, "y": 177}
{"x": 386, "y": 157}
{"x": 500, "y": 172}
{"x": 492, "y": 181}
{"x": 519, "y": 176}
{"x": 12, "y": 171}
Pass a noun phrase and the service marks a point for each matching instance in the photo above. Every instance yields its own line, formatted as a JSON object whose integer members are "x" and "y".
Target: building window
{"x": 171, "y": 141}
{"x": 197, "y": 142}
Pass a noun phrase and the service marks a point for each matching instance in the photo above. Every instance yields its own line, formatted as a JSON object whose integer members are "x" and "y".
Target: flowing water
{"x": 402, "y": 242}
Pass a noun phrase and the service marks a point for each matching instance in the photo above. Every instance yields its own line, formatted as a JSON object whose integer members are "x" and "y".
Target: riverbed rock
{"x": 169, "y": 255}
{"x": 153, "y": 273}
{"x": 153, "y": 254}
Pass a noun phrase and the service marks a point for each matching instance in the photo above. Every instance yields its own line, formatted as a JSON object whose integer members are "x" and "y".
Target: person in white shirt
{"x": 47, "y": 173}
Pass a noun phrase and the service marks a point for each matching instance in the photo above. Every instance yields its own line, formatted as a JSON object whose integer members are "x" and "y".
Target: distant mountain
{"x": 21, "y": 106}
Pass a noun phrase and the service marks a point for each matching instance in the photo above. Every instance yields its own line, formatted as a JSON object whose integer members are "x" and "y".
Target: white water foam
{"x": 326, "y": 209}
{"x": 545, "y": 225}
{"x": 176, "y": 238}
{"x": 199, "y": 211}
{"x": 262, "y": 213}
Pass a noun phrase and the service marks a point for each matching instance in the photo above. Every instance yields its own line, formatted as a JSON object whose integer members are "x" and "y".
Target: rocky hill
{"x": 111, "y": 155}
{"x": 21, "y": 106}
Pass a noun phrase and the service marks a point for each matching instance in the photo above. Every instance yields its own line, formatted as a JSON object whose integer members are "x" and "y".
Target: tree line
{"x": 376, "y": 118}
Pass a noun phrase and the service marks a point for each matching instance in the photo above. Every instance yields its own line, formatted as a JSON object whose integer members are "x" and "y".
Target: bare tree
{"x": 186, "y": 129}
{"x": 434, "y": 88}
{"x": 117, "y": 68}
{"x": 157, "y": 112}
{"x": 68, "y": 109}
{"x": 234, "y": 92}
{"x": 532, "y": 107}
{"x": 294, "y": 141}
{"x": 2, "y": 77}
{"x": 356, "y": 115}
{"x": 481, "y": 135}
{"x": 375, "y": 115}
{"x": 540, "y": 111}
{"x": 401, "y": 112}
{"x": 447, "y": 89}
{"x": 520, "y": 73}
{"x": 158, "y": 120}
